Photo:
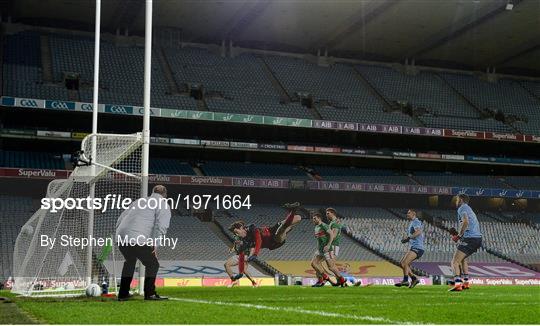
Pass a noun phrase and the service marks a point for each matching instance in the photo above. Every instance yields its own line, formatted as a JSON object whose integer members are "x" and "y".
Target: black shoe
{"x": 402, "y": 283}
{"x": 129, "y": 296}
{"x": 237, "y": 277}
{"x": 155, "y": 297}
{"x": 318, "y": 284}
{"x": 292, "y": 206}
{"x": 414, "y": 283}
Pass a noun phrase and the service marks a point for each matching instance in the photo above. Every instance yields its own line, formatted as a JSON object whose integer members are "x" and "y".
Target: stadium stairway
{"x": 378, "y": 95}
{"x": 46, "y": 59}
{"x": 471, "y": 104}
{"x": 494, "y": 216}
{"x": 167, "y": 72}
{"x": 523, "y": 85}
{"x": 286, "y": 97}
{"x": 372, "y": 89}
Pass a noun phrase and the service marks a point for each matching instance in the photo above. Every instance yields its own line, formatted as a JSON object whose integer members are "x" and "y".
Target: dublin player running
{"x": 255, "y": 238}
{"x": 470, "y": 240}
{"x": 234, "y": 260}
{"x": 325, "y": 237}
{"x": 415, "y": 237}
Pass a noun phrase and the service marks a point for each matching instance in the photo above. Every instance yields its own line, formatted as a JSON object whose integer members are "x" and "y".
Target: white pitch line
{"x": 295, "y": 310}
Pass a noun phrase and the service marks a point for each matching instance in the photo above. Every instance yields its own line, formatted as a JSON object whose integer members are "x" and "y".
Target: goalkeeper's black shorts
{"x": 469, "y": 245}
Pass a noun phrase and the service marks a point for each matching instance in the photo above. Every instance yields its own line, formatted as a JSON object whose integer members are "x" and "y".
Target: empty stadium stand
{"x": 351, "y": 174}
{"x": 195, "y": 241}
{"x": 519, "y": 241}
{"x": 41, "y": 160}
{"x": 14, "y": 212}
{"x": 243, "y": 85}
{"x": 36, "y": 160}
{"x": 522, "y": 182}
{"x": 170, "y": 166}
{"x": 458, "y": 180}
{"x": 348, "y": 99}
{"x": 247, "y": 169}
{"x": 237, "y": 85}
{"x": 506, "y": 95}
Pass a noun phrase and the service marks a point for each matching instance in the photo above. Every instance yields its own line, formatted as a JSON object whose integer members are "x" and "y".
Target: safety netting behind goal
{"x": 65, "y": 267}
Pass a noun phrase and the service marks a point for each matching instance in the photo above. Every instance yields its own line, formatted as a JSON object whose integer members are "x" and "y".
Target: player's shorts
{"x": 326, "y": 255}
{"x": 419, "y": 252}
{"x": 335, "y": 251}
{"x": 469, "y": 245}
{"x": 275, "y": 244}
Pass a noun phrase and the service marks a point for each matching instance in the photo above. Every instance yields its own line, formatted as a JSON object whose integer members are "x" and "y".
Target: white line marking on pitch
{"x": 295, "y": 310}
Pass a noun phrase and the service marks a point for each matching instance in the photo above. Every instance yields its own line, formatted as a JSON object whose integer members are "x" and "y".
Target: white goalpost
{"x": 146, "y": 116}
{"x": 111, "y": 164}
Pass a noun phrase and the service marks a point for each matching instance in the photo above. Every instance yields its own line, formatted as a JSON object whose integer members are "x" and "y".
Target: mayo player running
{"x": 325, "y": 237}
{"x": 470, "y": 240}
{"x": 415, "y": 237}
{"x": 335, "y": 228}
{"x": 234, "y": 260}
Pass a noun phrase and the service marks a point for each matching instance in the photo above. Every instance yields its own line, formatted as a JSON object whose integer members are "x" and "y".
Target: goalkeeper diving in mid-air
{"x": 255, "y": 238}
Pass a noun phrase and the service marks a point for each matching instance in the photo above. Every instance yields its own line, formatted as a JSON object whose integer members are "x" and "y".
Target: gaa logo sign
{"x": 153, "y": 112}
{"x": 60, "y": 105}
{"x": 118, "y": 109}
{"x": 86, "y": 107}
{"x": 28, "y": 103}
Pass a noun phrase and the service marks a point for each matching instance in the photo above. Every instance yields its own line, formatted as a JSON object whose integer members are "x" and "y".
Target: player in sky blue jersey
{"x": 415, "y": 238}
{"x": 469, "y": 240}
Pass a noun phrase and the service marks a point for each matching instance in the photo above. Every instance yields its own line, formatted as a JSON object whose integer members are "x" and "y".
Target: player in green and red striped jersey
{"x": 324, "y": 253}
{"x": 335, "y": 227}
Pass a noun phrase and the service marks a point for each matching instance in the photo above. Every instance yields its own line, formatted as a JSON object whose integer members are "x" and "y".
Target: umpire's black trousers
{"x": 148, "y": 259}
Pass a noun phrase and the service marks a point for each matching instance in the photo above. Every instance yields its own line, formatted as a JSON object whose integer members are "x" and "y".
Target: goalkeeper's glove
{"x": 453, "y": 231}
{"x": 405, "y": 240}
{"x": 251, "y": 258}
{"x": 456, "y": 238}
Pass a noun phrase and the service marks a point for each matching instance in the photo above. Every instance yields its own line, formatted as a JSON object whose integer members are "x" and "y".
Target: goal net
{"x": 66, "y": 266}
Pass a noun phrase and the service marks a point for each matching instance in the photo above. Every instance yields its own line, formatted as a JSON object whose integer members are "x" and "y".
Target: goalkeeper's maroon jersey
{"x": 259, "y": 237}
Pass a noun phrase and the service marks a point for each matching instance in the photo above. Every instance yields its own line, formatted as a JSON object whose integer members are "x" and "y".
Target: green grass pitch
{"x": 295, "y": 305}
